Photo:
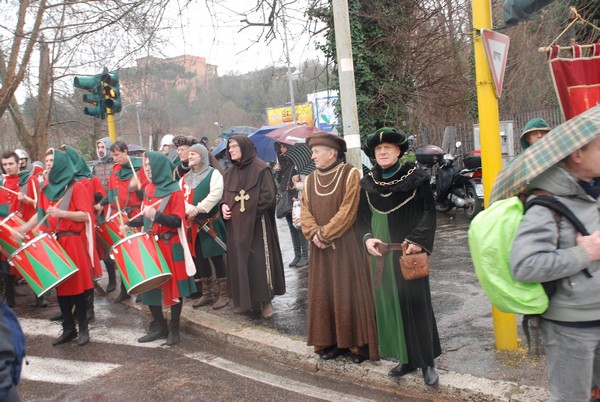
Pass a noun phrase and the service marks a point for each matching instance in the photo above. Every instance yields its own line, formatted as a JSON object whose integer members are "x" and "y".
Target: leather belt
{"x": 383, "y": 248}
{"x": 166, "y": 236}
{"x": 58, "y": 235}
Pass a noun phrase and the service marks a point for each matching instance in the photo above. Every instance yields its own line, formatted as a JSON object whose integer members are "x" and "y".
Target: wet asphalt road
{"x": 463, "y": 312}
{"x": 463, "y": 315}
{"x": 114, "y": 367}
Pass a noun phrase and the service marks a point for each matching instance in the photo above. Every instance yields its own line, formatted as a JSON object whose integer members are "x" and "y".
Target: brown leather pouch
{"x": 413, "y": 266}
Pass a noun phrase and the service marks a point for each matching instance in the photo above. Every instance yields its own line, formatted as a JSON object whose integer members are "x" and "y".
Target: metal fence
{"x": 465, "y": 132}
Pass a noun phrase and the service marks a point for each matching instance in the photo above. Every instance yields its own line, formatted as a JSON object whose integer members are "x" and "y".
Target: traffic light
{"x": 521, "y": 10}
{"x": 92, "y": 84}
{"x": 111, "y": 92}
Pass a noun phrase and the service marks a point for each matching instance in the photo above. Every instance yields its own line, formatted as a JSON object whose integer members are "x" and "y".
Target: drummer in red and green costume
{"x": 69, "y": 211}
{"x": 165, "y": 220}
{"x": 83, "y": 174}
{"x": 203, "y": 190}
{"x": 19, "y": 193}
{"x": 125, "y": 186}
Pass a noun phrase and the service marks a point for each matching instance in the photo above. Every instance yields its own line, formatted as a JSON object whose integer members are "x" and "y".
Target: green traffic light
{"x": 522, "y": 10}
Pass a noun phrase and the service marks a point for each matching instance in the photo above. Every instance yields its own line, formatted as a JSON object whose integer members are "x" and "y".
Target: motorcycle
{"x": 452, "y": 186}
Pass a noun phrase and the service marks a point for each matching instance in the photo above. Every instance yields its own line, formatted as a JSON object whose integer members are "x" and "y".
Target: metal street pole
{"x": 505, "y": 325}
{"x": 289, "y": 67}
{"x": 343, "y": 43}
{"x": 137, "y": 114}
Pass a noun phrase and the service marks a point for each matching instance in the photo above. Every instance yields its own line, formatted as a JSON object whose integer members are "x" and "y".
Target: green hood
{"x": 125, "y": 172}
{"x": 81, "y": 168}
{"x": 61, "y": 174}
{"x": 162, "y": 174}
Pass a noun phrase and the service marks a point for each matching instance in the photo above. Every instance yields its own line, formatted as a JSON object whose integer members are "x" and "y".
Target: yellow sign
{"x": 281, "y": 115}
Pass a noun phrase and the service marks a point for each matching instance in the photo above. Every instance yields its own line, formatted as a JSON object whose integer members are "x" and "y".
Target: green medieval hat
{"x": 535, "y": 124}
{"x": 59, "y": 177}
{"x": 385, "y": 134}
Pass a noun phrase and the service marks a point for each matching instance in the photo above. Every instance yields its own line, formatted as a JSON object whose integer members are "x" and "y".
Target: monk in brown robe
{"x": 341, "y": 315}
{"x": 253, "y": 253}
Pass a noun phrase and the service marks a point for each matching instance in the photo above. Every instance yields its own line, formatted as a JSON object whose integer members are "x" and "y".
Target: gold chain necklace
{"x": 336, "y": 170}
{"x": 334, "y": 188}
{"x": 396, "y": 207}
{"x": 391, "y": 183}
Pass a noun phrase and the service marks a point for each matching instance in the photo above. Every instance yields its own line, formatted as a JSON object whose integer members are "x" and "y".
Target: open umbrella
{"x": 265, "y": 146}
{"x": 293, "y": 133}
{"x": 301, "y": 155}
{"x": 554, "y": 147}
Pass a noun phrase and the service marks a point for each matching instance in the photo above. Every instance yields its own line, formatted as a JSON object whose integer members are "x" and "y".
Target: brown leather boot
{"x": 223, "y": 299}
{"x": 207, "y": 294}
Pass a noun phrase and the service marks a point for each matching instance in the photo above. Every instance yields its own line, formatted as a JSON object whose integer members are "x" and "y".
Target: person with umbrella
{"x": 565, "y": 164}
{"x": 284, "y": 172}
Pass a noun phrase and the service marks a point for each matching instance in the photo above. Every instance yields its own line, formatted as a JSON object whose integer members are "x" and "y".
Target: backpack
{"x": 491, "y": 235}
{"x": 18, "y": 341}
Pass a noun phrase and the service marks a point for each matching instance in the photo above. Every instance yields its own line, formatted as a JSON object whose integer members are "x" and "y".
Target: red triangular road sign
{"x": 496, "y": 50}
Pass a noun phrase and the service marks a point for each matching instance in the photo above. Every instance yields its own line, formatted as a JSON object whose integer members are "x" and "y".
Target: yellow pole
{"x": 505, "y": 325}
{"x": 112, "y": 132}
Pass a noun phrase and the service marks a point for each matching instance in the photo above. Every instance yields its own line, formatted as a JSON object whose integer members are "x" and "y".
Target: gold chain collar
{"x": 391, "y": 183}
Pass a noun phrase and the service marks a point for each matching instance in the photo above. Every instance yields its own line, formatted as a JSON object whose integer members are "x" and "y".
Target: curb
{"x": 283, "y": 349}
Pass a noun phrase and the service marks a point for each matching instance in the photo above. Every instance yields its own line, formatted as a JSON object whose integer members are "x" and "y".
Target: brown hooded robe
{"x": 253, "y": 254}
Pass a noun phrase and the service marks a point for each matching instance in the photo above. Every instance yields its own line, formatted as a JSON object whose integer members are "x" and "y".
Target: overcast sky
{"x": 213, "y": 32}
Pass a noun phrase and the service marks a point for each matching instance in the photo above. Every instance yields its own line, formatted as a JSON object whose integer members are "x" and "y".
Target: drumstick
{"x": 40, "y": 223}
{"x": 119, "y": 210}
{"x": 133, "y": 170}
{"x": 13, "y": 231}
{"x": 9, "y": 190}
{"x": 141, "y": 212}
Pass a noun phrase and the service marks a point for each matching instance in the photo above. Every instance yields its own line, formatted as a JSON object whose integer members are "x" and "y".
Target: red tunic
{"x": 126, "y": 199}
{"x": 170, "y": 249}
{"x": 31, "y": 190}
{"x": 75, "y": 246}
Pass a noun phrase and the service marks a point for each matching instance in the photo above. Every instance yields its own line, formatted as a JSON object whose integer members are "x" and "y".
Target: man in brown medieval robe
{"x": 341, "y": 315}
{"x": 253, "y": 253}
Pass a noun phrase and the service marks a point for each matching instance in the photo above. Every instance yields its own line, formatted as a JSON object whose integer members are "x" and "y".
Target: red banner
{"x": 576, "y": 78}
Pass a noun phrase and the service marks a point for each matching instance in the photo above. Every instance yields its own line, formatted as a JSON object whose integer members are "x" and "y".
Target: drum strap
{"x": 66, "y": 200}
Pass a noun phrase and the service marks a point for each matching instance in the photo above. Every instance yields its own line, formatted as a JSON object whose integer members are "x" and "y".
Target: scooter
{"x": 452, "y": 186}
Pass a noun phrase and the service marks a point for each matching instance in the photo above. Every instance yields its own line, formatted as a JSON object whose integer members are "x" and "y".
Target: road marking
{"x": 273, "y": 380}
{"x": 98, "y": 333}
{"x": 60, "y": 371}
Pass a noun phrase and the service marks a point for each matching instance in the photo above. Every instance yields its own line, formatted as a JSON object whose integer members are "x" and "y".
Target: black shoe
{"x": 173, "y": 337}
{"x": 157, "y": 330}
{"x": 69, "y": 333}
{"x": 111, "y": 287}
{"x": 122, "y": 297}
{"x": 84, "y": 333}
{"x": 358, "y": 359}
{"x": 294, "y": 261}
{"x": 302, "y": 263}
{"x": 138, "y": 298}
{"x": 430, "y": 375}
{"x": 401, "y": 370}
{"x": 57, "y": 317}
{"x": 333, "y": 353}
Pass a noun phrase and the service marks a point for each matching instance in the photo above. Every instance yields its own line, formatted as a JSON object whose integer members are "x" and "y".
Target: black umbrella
{"x": 300, "y": 155}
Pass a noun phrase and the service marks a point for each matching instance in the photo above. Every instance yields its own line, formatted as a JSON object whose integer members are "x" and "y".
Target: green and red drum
{"x": 107, "y": 232}
{"x": 140, "y": 262}
{"x": 43, "y": 263}
{"x": 8, "y": 243}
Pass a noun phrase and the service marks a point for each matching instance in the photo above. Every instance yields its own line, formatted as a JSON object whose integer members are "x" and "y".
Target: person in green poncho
{"x": 397, "y": 206}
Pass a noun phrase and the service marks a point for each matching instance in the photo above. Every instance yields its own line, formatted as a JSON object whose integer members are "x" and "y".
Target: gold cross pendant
{"x": 242, "y": 197}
